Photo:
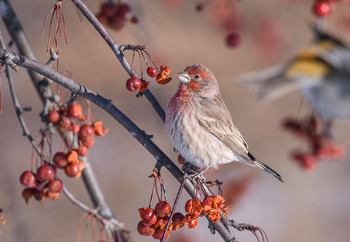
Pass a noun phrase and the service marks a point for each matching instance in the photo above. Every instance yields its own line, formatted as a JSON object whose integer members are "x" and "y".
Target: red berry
{"x": 309, "y": 162}
{"x": 65, "y": 123}
{"x": 162, "y": 222}
{"x": 321, "y": 8}
{"x": 148, "y": 215}
{"x": 60, "y": 160}
{"x": 45, "y": 172}
{"x": 233, "y": 40}
{"x": 82, "y": 150}
{"x": 199, "y": 7}
{"x": 39, "y": 195}
{"x": 119, "y": 19}
{"x": 193, "y": 207}
{"x": 191, "y": 221}
{"x": 124, "y": 8}
{"x": 178, "y": 221}
{"x": 75, "y": 110}
{"x": 72, "y": 170}
{"x": 151, "y": 71}
{"x": 158, "y": 233}
{"x": 27, "y": 193}
{"x": 28, "y": 179}
{"x": 53, "y": 116}
{"x": 133, "y": 84}
{"x": 52, "y": 195}
{"x": 180, "y": 159}
{"x": 102, "y": 18}
{"x": 86, "y": 131}
{"x": 108, "y": 9}
{"x": 55, "y": 186}
{"x": 88, "y": 142}
{"x": 162, "y": 209}
{"x": 144, "y": 85}
{"x": 134, "y": 20}
{"x": 145, "y": 230}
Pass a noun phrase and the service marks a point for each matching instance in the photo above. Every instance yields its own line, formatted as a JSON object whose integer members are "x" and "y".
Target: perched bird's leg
{"x": 194, "y": 172}
{"x": 189, "y": 168}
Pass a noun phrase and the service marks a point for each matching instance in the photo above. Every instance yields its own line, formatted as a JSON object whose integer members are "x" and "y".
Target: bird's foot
{"x": 193, "y": 172}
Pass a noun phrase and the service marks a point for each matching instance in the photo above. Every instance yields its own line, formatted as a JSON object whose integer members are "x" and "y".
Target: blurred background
{"x": 309, "y": 206}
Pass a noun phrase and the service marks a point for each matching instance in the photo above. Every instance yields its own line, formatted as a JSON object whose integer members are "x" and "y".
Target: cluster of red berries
{"x": 72, "y": 119}
{"x": 41, "y": 184}
{"x": 154, "y": 221}
{"x": 321, "y": 147}
{"x": 322, "y": 8}
{"x": 135, "y": 84}
{"x": 114, "y": 15}
{"x": 69, "y": 162}
{"x": 211, "y": 206}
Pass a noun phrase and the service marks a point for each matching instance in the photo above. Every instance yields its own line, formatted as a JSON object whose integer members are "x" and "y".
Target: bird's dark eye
{"x": 196, "y": 76}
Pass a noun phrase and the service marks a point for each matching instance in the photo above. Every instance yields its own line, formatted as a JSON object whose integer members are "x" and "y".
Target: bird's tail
{"x": 267, "y": 84}
{"x": 267, "y": 169}
{"x": 254, "y": 162}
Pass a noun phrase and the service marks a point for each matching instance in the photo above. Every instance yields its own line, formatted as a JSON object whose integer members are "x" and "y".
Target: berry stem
{"x": 80, "y": 224}
{"x": 174, "y": 206}
{"x": 155, "y": 185}
{"x": 155, "y": 66}
{"x": 93, "y": 224}
{"x": 141, "y": 66}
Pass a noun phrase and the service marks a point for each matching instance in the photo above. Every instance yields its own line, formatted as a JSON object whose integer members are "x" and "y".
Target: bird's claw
{"x": 193, "y": 172}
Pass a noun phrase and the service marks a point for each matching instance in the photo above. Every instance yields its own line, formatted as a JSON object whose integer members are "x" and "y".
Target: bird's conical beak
{"x": 183, "y": 77}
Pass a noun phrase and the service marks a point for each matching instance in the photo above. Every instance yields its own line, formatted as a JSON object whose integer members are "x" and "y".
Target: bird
{"x": 200, "y": 125}
{"x": 321, "y": 71}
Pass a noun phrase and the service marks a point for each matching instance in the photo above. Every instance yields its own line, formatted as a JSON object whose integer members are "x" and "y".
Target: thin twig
{"x": 87, "y": 209}
{"x": 18, "y": 108}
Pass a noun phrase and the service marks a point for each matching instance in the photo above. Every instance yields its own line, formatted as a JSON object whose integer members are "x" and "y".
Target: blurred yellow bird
{"x": 321, "y": 71}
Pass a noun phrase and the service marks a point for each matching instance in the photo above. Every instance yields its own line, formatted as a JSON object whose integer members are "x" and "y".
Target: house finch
{"x": 321, "y": 71}
{"x": 200, "y": 125}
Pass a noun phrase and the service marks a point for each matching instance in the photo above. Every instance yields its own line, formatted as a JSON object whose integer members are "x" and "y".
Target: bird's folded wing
{"x": 338, "y": 57}
{"x": 218, "y": 122}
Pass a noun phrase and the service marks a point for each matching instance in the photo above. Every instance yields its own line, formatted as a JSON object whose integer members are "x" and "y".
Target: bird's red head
{"x": 199, "y": 80}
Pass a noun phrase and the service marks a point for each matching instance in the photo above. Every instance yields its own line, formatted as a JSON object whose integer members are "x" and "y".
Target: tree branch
{"x": 118, "y": 52}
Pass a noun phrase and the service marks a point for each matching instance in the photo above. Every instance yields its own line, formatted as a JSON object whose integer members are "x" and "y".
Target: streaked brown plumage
{"x": 200, "y": 125}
